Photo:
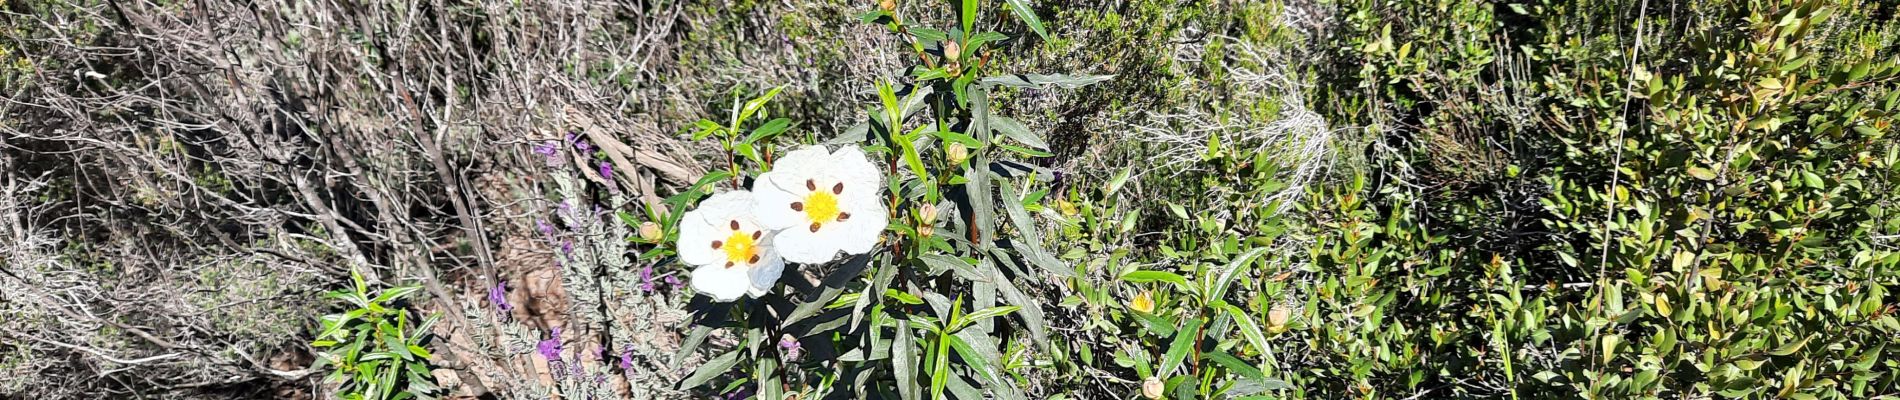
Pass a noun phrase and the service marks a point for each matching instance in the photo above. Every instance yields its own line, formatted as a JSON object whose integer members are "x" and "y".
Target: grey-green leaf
{"x": 713, "y": 368}
{"x": 1040, "y": 80}
{"x": 1028, "y": 15}
{"x": 1013, "y": 129}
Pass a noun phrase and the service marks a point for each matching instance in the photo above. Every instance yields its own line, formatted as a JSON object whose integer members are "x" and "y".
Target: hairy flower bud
{"x": 927, "y": 214}
{"x": 957, "y": 153}
{"x": 887, "y": 5}
{"x": 1276, "y": 318}
{"x": 1152, "y": 387}
{"x": 952, "y": 51}
{"x": 650, "y": 231}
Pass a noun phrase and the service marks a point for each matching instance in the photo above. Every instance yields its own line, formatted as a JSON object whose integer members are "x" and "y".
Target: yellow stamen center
{"x": 821, "y": 207}
{"x": 740, "y": 249}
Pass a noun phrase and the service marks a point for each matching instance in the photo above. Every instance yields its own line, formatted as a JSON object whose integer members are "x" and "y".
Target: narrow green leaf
{"x": 904, "y": 356}
{"x": 1029, "y": 238}
{"x": 1249, "y": 328}
{"x": 969, "y": 16}
{"x": 1013, "y": 129}
{"x": 1234, "y": 268}
{"x": 1028, "y": 15}
{"x": 1157, "y": 276}
{"x": 1040, "y": 80}
{"x": 770, "y": 129}
{"x": 1184, "y": 339}
{"x": 711, "y": 369}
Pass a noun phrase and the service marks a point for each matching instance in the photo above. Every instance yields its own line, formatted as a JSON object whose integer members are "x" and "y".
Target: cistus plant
{"x": 902, "y": 239}
{"x": 375, "y": 351}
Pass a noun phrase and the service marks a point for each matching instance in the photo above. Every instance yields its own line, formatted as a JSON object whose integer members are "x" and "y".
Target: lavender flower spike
{"x": 498, "y": 296}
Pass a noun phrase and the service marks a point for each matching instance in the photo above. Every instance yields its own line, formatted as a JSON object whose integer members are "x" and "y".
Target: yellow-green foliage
{"x": 1708, "y": 213}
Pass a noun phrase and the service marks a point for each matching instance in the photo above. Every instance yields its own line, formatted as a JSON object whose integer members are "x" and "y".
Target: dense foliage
{"x": 1612, "y": 199}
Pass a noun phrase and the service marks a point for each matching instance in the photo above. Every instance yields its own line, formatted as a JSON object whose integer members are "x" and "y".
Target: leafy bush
{"x": 930, "y": 309}
{"x": 374, "y": 350}
{"x": 1694, "y": 200}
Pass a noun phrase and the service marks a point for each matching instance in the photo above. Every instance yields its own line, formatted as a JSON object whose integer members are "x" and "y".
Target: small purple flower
{"x": 606, "y": 171}
{"x": 791, "y": 346}
{"x": 740, "y": 393}
{"x": 551, "y": 348}
{"x": 626, "y": 360}
{"x": 580, "y": 144}
{"x": 546, "y": 228}
{"x": 567, "y": 247}
{"x": 674, "y": 281}
{"x": 498, "y": 296}
{"x": 551, "y": 150}
{"x": 646, "y": 278}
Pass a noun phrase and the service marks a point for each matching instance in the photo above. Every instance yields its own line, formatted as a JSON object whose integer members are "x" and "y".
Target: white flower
{"x": 824, "y": 202}
{"x": 734, "y": 253}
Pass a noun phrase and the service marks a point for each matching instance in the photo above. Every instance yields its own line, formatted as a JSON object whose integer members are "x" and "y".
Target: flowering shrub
{"x": 892, "y": 293}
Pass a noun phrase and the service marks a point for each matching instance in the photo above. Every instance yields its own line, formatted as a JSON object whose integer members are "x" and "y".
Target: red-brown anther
{"x": 798, "y": 206}
{"x": 729, "y": 264}
{"x": 844, "y": 216}
{"x": 753, "y": 260}
{"x": 718, "y": 244}
{"x": 838, "y": 188}
{"x": 735, "y": 224}
{"x": 757, "y": 234}
{"x": 814, "y": 227}
{"x": 811, "y": 185}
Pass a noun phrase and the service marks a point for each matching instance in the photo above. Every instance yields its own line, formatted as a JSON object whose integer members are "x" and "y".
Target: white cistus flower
{"x": 733, "y": 252}
{"x": 822, "y": 202}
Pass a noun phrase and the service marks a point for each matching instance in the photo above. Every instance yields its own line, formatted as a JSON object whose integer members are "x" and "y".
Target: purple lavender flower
{"x": 498, "y": 296}
{"x": 674, "y": 281}
{"x": 567, "y": 247}
{"x": 552, "y": 151}
{"x": 546, "y": 228}
{"x": 626, "y": 360}
{"x": 580, "y": 144}
{"x": 606, "y": 171}
{"x": 551, "y": 348}
{"x": 646, "y": 278}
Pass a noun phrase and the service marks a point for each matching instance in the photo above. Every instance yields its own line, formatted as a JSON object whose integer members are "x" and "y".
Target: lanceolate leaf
{"x": 1015, "y": 130}
{"x": 1184, "y": 339}
{"x": 1037, "y": 80}
{"x": 1029, "y": 238}
{"x": 904, "y": 356}
{"x": 1028, "y": 15}
{"x": 1249, "y": 328}
{"x": 713, "y": 368}
{"x": 1234, "y": 268}
{"x": 1157, "y": 276}
{"x": 1031, "y": 311}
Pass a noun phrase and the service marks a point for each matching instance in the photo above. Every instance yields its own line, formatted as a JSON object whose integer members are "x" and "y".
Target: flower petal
{"x": 764, "y": 275}
{"x": 795, "y": 167}
{"x": 710, "y": 222}
{"x": 721, "y": 283}
{"x": 801, "y": 245}
{"x": 850, "y": 166}
{"x": 695, "y": 240}
{"x": 860, "y": 233}
{"x": 774, "y": 204}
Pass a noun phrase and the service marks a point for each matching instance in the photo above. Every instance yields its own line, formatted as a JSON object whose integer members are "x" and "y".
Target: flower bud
{"x": 887, "y": 5}
{"x": 927, "y": 214}
{"x": 951, "y": 50}
{"x": 957, "y": 153}
{"x": 650, "y": 231}
{"x": 1152, "y": 387}
{"x": 1276, "y": 318}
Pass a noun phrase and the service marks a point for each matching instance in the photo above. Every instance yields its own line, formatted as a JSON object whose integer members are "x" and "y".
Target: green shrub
{"x": 374, "y": 350}
{"x": 1679, "y": 200}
